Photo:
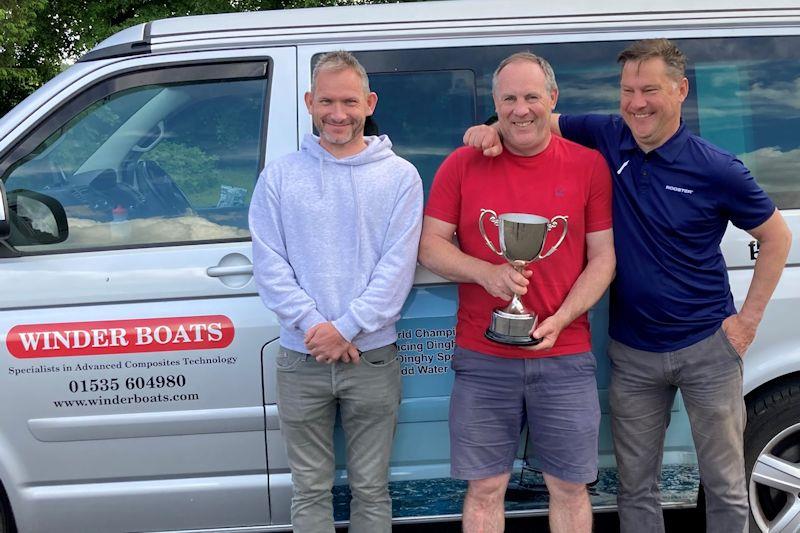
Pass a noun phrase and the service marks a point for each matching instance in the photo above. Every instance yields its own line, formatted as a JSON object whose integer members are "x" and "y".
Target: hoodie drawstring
{"x": 321, "y": 178}
{"x": 358, "y": 213}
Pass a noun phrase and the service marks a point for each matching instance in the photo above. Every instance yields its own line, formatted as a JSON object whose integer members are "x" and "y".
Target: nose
{"x": 338, "y": 112}
{"x": 638, "y": 100}
{"x": 521, "y": 108}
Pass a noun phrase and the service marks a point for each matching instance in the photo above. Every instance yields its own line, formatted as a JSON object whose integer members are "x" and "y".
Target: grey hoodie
{"x": 336, "y": 240}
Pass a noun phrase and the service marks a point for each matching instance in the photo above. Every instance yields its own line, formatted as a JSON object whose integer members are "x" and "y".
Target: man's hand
{"x": 740, "y": 333}
{"x": 548, "y": 330}
{"x": 351, "y": 355}
{"x": 502, "y": 281}
{"x": 484, "y": 138}
{"x": 327, "y": 345}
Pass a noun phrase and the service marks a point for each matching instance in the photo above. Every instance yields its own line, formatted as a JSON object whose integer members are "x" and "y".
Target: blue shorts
{"x": 492, "y": 399}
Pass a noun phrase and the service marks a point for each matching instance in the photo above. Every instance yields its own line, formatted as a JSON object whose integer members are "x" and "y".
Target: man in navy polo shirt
{"x": 673, "y": 324}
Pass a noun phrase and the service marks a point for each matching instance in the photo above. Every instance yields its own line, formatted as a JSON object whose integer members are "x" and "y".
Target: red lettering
{"x": 108, "y": 337}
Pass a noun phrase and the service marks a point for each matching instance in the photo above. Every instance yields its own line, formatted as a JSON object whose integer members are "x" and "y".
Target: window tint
{"x": 427, "y": 98}
{"x": 743, "y": 97}
{"x": 447, "y": 96}
{"x": 155, "y": 164}
{"x": 748, "y": 94}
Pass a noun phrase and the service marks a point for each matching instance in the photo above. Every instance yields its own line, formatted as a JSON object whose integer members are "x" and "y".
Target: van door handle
{"x": 236, "y": 270}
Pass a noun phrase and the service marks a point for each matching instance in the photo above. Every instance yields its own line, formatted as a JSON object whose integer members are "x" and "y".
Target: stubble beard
{"x": 343, "y": 138}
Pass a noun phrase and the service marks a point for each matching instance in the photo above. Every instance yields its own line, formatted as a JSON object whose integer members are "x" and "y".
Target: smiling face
{"x": 338, "y": 107}
{"x": 650, "y": 101}
{"x": 524, "y": 106}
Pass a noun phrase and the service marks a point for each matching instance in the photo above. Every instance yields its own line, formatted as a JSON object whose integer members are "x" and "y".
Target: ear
{"x": 554, "y": 98}
{"x": 683, "y": 89}
{"x": 309, "y": 98}
{"x": 372, "y": 101}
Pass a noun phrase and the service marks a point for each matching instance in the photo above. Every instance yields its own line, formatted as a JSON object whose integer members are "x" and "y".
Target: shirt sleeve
{"x": 584, "y": 129}
{"x": 391, "y": 280}
{"x": 274, "y": 276}
{"x": 444, "y": 200}
{"x": 747, "y": 205}
{"x": 598, "y": 208}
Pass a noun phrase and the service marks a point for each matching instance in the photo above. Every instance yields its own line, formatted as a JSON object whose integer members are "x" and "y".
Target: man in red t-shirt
{"x": 551, "y": 385}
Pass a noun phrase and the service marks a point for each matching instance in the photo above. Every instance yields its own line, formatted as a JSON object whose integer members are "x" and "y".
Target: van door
{"x": 131, "y": 393}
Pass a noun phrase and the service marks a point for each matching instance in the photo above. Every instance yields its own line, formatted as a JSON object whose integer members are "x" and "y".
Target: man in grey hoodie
{"x": 335, "y": 230}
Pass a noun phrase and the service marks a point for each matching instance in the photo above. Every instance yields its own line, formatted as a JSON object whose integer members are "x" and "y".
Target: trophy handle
{"x": 552, "y": 224}
{"x": 493, "y": 220}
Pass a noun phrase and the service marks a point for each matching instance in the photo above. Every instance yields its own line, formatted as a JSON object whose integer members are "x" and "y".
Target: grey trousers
{"x": 643, "y": 387}
{"x": 368, "y": 396}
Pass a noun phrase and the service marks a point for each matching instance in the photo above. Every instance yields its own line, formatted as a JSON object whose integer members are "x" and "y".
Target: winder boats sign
{"x": 120, "y": 336}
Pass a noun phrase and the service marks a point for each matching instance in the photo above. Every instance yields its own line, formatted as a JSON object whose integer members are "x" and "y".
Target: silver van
{"x": 137, "y": 385}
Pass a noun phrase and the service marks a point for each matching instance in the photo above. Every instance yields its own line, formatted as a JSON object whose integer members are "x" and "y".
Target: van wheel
{"x": 772, "y": 459}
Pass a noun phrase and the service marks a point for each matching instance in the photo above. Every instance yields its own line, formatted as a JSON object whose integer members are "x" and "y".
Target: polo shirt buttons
{"x": 644, "y": 173}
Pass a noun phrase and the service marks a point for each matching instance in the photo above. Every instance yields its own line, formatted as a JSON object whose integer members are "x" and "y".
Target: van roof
{"x": 451, "y": 18}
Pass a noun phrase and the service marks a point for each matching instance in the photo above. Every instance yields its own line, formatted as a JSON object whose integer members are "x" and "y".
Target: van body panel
{"x": 137, "y": 379}
{"x": 434, "y": 17}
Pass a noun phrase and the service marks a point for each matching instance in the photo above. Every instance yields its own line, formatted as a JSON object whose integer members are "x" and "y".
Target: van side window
{"x": 154, "y": 164}
{"x": 743, "y": 97}
{"x": 446, "y": 98}
{"x": 748, "y": 93}
{"x": 427, "y": 98}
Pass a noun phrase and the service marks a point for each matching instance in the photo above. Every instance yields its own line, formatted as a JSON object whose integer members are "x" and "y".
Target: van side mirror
{"x": 33, "y": 218}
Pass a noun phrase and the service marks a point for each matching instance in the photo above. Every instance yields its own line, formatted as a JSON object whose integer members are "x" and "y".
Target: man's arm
{"x": 774, "y": 239}
{"x": 273, "y": 274}
{"x": 438, "y": 253}
{"x": 588, "y": 288}
{"x": 487, "y": 138}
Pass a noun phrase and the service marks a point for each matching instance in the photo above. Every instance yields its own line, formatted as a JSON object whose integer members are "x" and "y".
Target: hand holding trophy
{"x": 522, "y": 237}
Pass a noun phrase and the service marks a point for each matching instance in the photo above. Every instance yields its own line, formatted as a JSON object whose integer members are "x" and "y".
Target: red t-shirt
{"x": 564, "y": 179}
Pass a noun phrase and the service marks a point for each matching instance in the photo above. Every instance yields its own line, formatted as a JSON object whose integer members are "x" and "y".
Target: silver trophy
{"x": 522, "y": 238}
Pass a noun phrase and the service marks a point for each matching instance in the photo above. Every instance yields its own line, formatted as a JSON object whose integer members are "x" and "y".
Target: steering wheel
{"x": 162, "y": 196}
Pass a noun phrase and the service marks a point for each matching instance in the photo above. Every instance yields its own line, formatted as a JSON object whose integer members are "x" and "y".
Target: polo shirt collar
{"x": 628, "y": 143}
{"x": 668, "y": 151}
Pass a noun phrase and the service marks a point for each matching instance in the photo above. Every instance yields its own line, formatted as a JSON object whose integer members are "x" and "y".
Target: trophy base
{"x": 512, "y": 329}
{"x": 508, "y": 339}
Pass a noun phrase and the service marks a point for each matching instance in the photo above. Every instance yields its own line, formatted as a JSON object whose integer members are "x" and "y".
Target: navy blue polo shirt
{"x": 671, "y": 207}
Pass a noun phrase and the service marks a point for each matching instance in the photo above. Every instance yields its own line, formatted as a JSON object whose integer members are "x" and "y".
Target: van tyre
{"x": 772, "y": 458}
{"x": 6, "y": 525}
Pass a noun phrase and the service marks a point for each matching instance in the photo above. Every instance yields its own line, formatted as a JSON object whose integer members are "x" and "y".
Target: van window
{"x": 743, "y": 97}
{"x": 448, "y": 102}
{"x": 160, "y": 163}
{"x": 748, "y": 94}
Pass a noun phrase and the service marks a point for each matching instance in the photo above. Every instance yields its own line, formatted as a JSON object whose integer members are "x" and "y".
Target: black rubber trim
{"x": 121, "y": 50}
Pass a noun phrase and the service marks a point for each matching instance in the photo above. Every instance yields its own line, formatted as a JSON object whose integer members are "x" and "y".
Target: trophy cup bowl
{"x": 522, "y": 237}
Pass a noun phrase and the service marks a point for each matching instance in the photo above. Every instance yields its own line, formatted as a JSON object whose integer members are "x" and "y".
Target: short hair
{"x": 338, "y": 61}
{"x": 655, "y": 48}
{"x": 549, "y": 75}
